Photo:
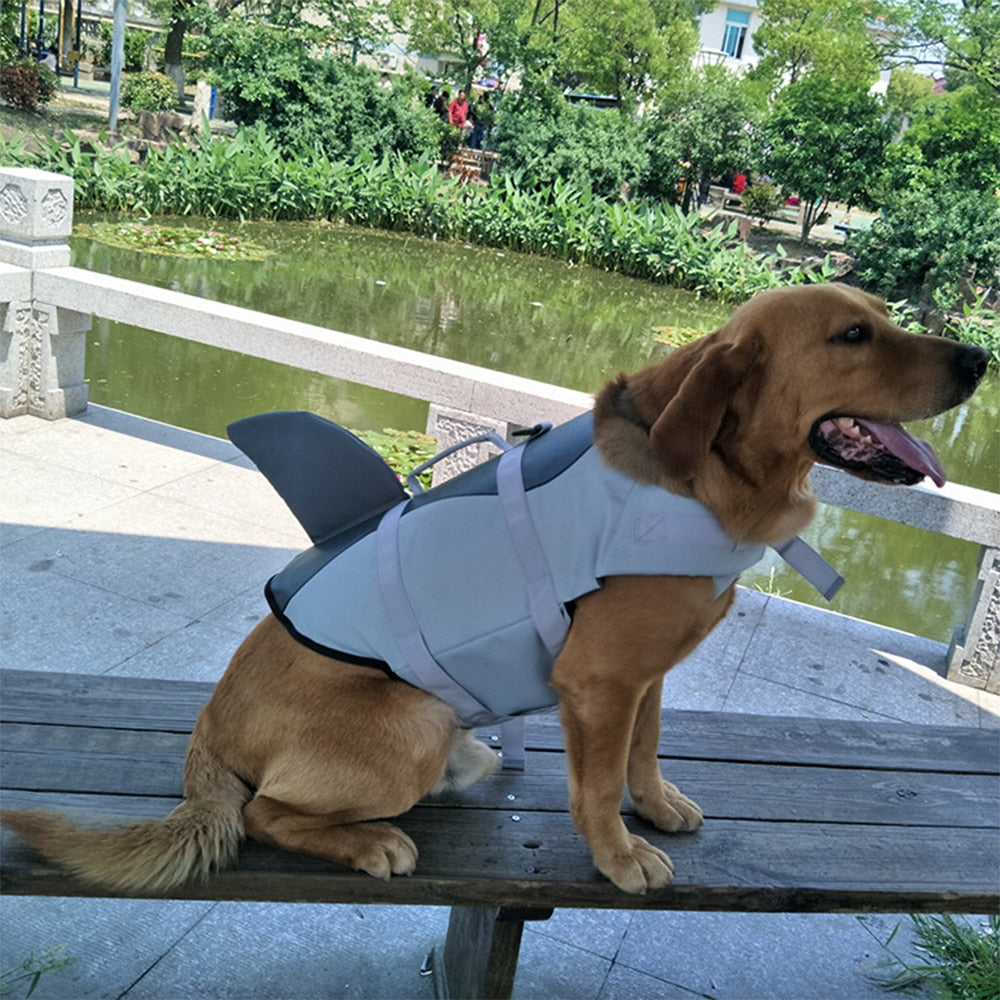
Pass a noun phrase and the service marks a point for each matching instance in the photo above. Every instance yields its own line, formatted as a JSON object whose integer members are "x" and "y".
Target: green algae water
{"x": 529, "y": 316}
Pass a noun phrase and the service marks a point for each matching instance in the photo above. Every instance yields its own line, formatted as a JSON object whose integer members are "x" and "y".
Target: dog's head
{"x": 797, "y": 375}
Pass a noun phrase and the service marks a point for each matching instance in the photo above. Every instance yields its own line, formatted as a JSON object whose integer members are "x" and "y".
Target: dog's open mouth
{"x": 873, "y": 450}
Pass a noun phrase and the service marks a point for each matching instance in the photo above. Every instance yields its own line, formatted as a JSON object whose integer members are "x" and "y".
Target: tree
{"x": 842, "y": 40}
{"x": 707, "y": 128}
{"x": 956, "y": 138}
{"x": 824, "y": 141}
{"x": 629, "y": 49}
{"x": 360, "y": 23}
{"x": 620, "y": 47}
{"x": 962, "y": 37}
{"x": 457, "y": 28}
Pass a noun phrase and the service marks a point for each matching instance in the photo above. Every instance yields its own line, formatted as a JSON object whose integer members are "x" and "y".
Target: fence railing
{"x": 46, "y": 308}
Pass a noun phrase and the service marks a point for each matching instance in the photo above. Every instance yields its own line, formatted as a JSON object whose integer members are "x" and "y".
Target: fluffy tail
{"x": 202, "y": 833}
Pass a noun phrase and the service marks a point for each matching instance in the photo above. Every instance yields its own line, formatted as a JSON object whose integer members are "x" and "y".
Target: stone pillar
{"x": 974, "y": 657}
{"x": 42, "y": 348}
{"x": 449, "y": 426}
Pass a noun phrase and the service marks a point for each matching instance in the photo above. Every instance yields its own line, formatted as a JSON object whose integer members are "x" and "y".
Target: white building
{"x": 727, "y": 36}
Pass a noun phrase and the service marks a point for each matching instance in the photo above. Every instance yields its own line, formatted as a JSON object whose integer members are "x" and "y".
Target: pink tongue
{"x": 916, "y": 454}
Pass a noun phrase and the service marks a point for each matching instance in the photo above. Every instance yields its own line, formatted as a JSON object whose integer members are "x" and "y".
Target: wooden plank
{"x": 772, "y": 791}
{"x": 138, "y": 703}
{"x": 737, "y": 736}
{"x": 101, "y": 700}
{"x": 478, "y": 857}
{"x": 80, "y": 759}
{"x": 84, "y": 760}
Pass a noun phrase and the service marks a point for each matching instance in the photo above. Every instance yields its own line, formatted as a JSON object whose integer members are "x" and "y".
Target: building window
{"x": 737, "y": 23}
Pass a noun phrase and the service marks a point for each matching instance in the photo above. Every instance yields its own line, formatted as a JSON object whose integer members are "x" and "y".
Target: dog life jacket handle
{"x": 413, "y": 479}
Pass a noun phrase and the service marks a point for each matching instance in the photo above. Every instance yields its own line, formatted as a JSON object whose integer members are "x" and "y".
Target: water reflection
{"x": 529, "y": 316}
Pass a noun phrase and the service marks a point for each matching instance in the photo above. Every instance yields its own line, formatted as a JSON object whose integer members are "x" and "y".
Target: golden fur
{"x": 312, "y": 756}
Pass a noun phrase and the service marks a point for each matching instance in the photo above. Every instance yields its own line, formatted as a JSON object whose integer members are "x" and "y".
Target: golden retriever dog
{"x": 314, "y": 755}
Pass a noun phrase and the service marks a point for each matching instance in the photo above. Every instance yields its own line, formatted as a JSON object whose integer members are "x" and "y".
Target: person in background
{"x": 482, "y": 121}
{"x": 441, "y": 105}
{"x": 458, "y": 111}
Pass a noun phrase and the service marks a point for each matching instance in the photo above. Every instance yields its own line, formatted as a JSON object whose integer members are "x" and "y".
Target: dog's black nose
{"x": 970, "y": 365}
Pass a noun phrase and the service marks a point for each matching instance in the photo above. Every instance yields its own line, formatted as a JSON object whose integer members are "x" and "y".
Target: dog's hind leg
{"x": 376, "y": 847}
{"x": 653, "y": 798}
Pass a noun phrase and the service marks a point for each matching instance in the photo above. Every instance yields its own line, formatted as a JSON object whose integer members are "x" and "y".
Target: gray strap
{"x": 548, "y": 614}
{"x": 512, "y": 742}
{"x": 405, "y": 627}
{"x": 550, "y": 617}
{"x": 807, "y": 561}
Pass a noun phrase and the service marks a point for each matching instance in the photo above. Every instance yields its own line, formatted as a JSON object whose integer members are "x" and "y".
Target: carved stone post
{"x": 974, "y": 657}
{"x": 449, "y": 426}
{"x": 42, "y": 347}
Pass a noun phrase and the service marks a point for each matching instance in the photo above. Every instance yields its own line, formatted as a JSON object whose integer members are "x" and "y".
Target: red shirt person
{"x": 458, "y": 110}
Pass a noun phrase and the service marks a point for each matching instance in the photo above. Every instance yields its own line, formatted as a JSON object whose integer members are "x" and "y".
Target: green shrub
{"x": 762, "y": 202}
{"x": 542, "y": 140}
{"x": 148, "y": 91}
{"x": 252, "y": 176}
{"x": 135, "y": 44}
{"x": 270, "y": 76}
{"x": 930, "y": 240}
{"x": 26, "y": 84}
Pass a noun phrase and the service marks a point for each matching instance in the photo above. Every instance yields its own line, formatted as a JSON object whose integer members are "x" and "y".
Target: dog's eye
{"x": 856, "y": 334}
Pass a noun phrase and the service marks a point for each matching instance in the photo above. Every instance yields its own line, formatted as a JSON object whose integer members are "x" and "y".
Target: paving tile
{"x": 550, "y": 969}
{"x": 624, "y": 983}
{"x": 156, "y": 551}
{"x": 780, "y": 956}
{"x": 114, "y": 941}
{"x": 113, "y": 456}
{"x": 195, "y": 652}
{"x": 50, "y": 622}
{"x": 36, "y": 496}
{"x": 840, "y": 659}
{"x": 702, "y": 681}
{"x": 763, "y": 697}
{"x": 597, "y": 931}
{"x": 243, "y": 493}
{"x": 288, "y": 952}
{"x": 239, "y": 614}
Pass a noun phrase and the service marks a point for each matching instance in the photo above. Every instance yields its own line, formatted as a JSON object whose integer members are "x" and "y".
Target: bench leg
{"x": 479, "y": 957}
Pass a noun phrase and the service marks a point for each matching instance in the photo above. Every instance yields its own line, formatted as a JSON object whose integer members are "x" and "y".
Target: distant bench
{"x": 802, "y": 815}
{"x": 475, "y": 165}
{"x": 723, "y": 197}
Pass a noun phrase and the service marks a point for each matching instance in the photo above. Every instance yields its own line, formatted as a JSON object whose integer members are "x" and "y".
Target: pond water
{"x": 529, "y": 316}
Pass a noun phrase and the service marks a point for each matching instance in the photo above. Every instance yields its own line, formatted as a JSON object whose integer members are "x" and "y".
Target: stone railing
{"x": 46, "y": 308}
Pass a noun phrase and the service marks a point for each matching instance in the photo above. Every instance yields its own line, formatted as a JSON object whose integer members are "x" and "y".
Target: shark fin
{"x": 328, "y": 477}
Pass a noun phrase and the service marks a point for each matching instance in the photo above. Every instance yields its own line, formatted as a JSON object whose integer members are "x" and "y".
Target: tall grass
{"x": 251, "y": 177}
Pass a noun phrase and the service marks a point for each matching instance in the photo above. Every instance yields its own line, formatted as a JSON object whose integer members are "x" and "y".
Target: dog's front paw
{"x": 668, "y": 808}
{"x": 637, "y": 867}
{"x": 387, "y": 851}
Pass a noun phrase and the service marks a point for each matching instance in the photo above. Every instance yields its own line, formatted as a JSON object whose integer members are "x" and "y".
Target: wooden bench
{"x": 801, "y": 815}
{"x": 472, "y": 165}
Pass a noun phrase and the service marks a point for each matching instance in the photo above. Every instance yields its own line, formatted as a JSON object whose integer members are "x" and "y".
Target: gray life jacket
{"x": 466, "y": 590}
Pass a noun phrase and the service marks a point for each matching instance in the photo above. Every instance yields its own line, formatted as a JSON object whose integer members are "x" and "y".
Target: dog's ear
{"x": 683, "y": 434}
